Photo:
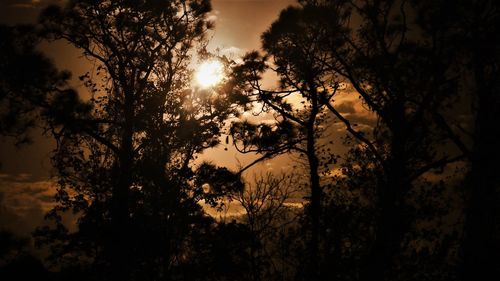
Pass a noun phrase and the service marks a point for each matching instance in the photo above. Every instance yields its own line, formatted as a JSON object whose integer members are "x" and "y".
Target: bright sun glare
{"x": 209, "y": 73}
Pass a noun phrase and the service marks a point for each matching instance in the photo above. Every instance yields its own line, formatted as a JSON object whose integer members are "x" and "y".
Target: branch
{"x": 270, "y": 154}
{"x": 356, "y": 84}
{"x": 102, "y": 140}
{"x": 356, "y": 134}
{"x": 260, "y": 159}
{"x": 275, "y": 107}
{"x": 437, "y": 164}
{"x": 454, "y": 137}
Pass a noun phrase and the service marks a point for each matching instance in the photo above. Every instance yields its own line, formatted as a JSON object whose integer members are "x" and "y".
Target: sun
{"x": 209, "y": 74}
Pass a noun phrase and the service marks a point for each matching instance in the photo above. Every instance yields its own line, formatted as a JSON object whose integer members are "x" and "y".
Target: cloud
{"x": 24, "y": 202}
{"x": 355, "y": 111}
{"x": 231, "y": 209}
{"x": 346, "y": 107}
{"x": 212, "y": 18}
{"x": 232, "y": 52}
{"x": 296, "y": 205}
{"x": 30, "y": 4}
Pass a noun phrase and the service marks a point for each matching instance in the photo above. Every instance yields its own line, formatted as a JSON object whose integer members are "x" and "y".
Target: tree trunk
{"x": 315, "y": 207}
{"x": 481, "y": 246}
{"x": 120, "y": 223}
{"x": 313, "y": 271}
{"x": 392, "y": 223}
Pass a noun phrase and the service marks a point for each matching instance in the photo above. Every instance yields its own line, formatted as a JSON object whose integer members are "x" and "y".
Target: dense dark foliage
{"x": 411, "y": 85}
{"x": 26, "y": 91}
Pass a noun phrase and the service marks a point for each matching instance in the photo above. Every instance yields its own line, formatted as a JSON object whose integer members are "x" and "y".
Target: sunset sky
{"x": 256, "y": 140}
{"x": 25, "y": 186}
{"x": 239, "y": 24}
{"x": 25, "y": 192}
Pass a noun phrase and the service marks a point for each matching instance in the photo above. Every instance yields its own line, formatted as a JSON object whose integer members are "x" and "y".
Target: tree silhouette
{"x": 268, "y": 218}
{"x": 406, "y": 77}
{"x": 387, "y": 66}
{"x": 125, "y": 167}
{"x": 131, "y": 190}
{"x": 25, "y": 91}
{"x": 467, "y": 27}
{"x": 297, "y": 127}
{"x": 16, "y": 259}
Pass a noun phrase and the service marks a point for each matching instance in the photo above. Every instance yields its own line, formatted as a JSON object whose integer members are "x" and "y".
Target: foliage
{"x": 26, "y": 91}
{"x": 126, "y": 168}
{"x": 392, "y": 207}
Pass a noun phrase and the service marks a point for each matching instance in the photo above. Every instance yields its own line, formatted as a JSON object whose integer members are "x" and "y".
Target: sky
{"x": 26, "y": 187}
{"x": 27, "y": 184}
{"x": 239, "y": 24}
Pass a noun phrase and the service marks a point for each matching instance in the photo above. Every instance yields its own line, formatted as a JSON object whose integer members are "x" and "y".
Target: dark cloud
{"x": 358, "y": 115}
{"x": 24, "y": 202}
{"x": 346, "y": 107}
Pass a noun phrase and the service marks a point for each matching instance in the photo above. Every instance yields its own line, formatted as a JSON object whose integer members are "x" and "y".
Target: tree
{"x": 401, "y": 72}
{"x": 219, "y": 252}
{"x": 369, "y": 44}
{"x": 468, "y": 27}
{"x": 297, "y": 127}
{"x": 29, "y": 82}
{"x": 126, "y": 166}
{"x": 15, "y": 259}
{"x": 269, "y": 218}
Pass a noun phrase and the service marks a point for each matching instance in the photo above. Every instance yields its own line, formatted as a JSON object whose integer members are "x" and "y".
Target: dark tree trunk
{"x": 315, "y": 207}
{"x": 481, "y": 246}
{"x": 392, "y": 221}
{"x": 313, "y": 271}
{"x": 120, "y": 222}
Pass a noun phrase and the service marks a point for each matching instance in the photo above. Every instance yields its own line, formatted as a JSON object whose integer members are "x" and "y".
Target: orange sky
{"x": 25, "y": 172}
{"x": 239, "y": 24}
